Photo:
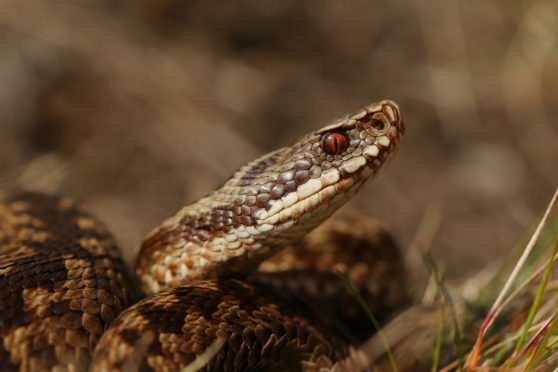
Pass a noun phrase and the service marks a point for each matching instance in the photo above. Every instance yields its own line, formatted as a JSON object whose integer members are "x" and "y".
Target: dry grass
{"x": 508, "y": 324}
{"x": 530, "y": 346}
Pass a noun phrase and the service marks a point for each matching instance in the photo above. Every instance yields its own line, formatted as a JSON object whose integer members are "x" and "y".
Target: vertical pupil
{"x": 334, "y": 143}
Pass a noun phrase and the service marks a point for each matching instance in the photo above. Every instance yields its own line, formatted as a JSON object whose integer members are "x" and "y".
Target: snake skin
{"x": 263, "y": 331}
{"x": 269, "y": 203}
{"x": 285, "y": 317}
{"x": 352, "y": 244}
{"x": 62, "y": 281}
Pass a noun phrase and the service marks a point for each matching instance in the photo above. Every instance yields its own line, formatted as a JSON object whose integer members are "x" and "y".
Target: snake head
{"x": 271, "y": 201}
{"x": 312, "y": 178}
{"x": 361, "y": 141}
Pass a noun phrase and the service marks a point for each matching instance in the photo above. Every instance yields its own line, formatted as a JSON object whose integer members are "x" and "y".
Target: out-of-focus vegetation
{"x": 137, "y": 107}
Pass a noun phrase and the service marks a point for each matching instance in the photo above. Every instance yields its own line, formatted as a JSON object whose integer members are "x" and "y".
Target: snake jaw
{"x": 272, "y": 201}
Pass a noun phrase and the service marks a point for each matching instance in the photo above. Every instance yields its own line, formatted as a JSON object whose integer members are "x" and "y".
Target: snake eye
{"x": 334, "y": 143}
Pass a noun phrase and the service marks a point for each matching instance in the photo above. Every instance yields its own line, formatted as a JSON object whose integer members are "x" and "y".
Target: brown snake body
{"x": 62, "y": 282}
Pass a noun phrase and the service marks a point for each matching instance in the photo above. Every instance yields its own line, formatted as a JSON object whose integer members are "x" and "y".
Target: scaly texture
{"x": 263, "y": 331}
{"x": 352, "y": 244}
{"x": 266, "y": 205}
{"x": 62, "y": 283}
{"x": 62, "y": 280}
{"x": 283, "y": 318}
{"x": 270, "y": 202}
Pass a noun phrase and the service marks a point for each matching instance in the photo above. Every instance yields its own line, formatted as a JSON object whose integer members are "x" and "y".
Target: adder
{"x": 65, "y": 293}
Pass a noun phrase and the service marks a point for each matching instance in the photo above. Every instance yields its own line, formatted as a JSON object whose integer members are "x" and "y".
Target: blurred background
{"x": 136, "y": 107}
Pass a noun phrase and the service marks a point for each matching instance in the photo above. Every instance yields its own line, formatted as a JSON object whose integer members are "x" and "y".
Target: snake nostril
{"x": 377, "y": 124}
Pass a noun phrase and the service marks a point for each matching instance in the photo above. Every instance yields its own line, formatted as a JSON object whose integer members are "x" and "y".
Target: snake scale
{"x": 66, "y": 296}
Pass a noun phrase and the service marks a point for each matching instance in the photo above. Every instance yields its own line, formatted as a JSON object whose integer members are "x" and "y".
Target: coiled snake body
{"x": 62, "y": 281}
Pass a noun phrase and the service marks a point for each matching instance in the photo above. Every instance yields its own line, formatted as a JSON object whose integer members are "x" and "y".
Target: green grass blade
{"x": 538, "y": 297}
{"x": 371, "y": 316}
{"x": 431, "y": 264}
{"x": 439, "y": 340}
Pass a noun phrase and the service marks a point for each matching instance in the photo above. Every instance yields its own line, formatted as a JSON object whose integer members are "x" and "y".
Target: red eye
{"x": 334, "y": 143}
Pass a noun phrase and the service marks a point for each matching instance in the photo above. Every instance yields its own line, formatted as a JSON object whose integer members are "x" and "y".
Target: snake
{"x": 210, "y": 287}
